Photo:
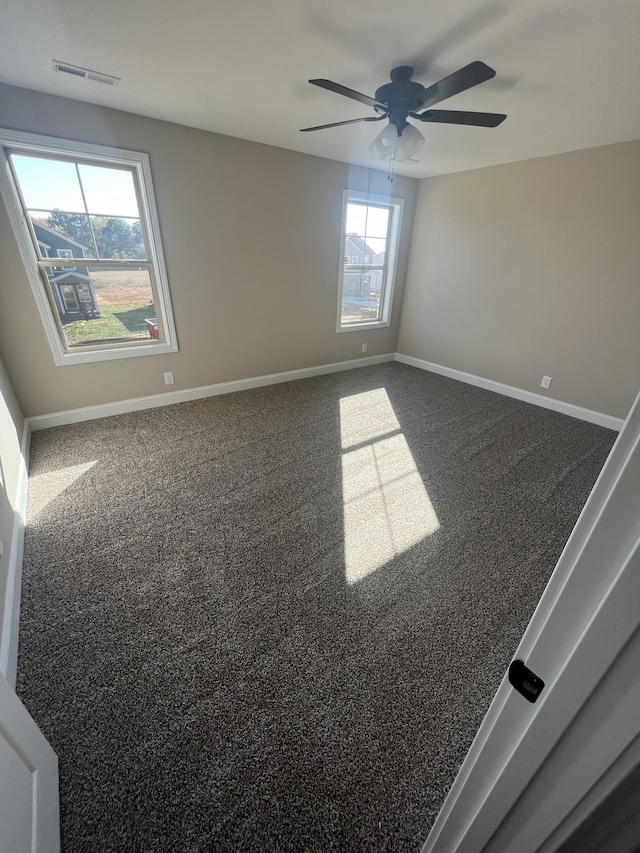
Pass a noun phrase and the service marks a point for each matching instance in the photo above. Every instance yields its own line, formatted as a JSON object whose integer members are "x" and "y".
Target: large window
{"x": 86, "y": 224}
{"x": 371, "y": 226}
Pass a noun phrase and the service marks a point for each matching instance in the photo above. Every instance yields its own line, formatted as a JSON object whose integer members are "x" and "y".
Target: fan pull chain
{"x": 392, "y": 163}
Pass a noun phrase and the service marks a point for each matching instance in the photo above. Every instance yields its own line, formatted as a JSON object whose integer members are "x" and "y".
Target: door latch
{"x": 525, "y": 681}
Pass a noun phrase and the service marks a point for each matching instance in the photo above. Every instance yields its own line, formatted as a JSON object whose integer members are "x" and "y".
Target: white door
{"x": 534, "y": 767}
{"x": 29, "y": 808}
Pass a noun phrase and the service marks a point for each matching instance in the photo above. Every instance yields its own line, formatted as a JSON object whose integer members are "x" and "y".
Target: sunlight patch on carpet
{"x": 44, "y": 488}
{"x": 386, "y": 506}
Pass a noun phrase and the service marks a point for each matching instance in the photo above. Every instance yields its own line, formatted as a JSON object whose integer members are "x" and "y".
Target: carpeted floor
{"x": 273, "y": 621}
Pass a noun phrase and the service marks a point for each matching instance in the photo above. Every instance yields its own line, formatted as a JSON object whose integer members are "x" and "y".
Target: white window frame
{"x": 389, "y": 268}
{"x": 138, "y": 162}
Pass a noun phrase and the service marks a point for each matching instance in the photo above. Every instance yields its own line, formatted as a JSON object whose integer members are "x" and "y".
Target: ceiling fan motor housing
{"x": 402, "y": 96}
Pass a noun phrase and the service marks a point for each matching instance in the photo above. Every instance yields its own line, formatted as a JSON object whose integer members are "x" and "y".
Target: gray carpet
{"x": 274, "y": 620}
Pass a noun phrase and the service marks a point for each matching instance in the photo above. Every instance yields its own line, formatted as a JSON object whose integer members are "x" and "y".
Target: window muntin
{"x": 370, "y": 236}
{"x": 86, "y": 224}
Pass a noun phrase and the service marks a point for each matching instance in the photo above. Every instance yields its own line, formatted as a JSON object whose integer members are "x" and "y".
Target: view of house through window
{"x": 370, "y": 239}
{"x": 79, "y": 212}
{"x": 93, "y": 249}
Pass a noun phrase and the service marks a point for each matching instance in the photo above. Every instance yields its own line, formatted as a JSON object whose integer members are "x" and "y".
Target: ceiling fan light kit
{"x": 402, "y": 98}
{"x": 399, "y": 144}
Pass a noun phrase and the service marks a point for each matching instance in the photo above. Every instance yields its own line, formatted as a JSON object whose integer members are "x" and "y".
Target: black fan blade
{"x": 339, "y": 123}
{"x": 461, "y": 117}
{"x": 348, "y": 93}
{"x": 464, "y": 78}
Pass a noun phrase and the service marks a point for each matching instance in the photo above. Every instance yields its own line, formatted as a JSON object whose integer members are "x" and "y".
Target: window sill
{"x": 63, "y": 358}
{"x": 357, "y": 327}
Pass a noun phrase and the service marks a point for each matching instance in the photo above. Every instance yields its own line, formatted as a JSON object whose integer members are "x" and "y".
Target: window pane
{"x": 376, "y": 284}
{"x": 109, "y": 192}
{"x": 370, "y": 251}
{"x": 377, "y": 222}
{"x": 354, "y": 250}
{"x": 366, "y": 235}
{"x": 356, "y": 218}
{"x": 107, "y": 305}
{"x": 361, "y": 296}
{"x": 119, "y": 238}
{"x": 367, "y": 221}
{"x": 378, "y": 248}
{"x": 48, "y": 184}
{"x": 65, "y": 234}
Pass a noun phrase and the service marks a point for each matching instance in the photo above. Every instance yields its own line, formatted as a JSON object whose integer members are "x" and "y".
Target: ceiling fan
{"x": 403, "y": 98}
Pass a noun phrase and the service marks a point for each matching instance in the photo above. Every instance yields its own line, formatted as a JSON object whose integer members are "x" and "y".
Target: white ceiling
{"x": 568, "y": 71}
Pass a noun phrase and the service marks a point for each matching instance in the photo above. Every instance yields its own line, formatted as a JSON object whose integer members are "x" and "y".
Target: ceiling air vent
{"x": 77, "y": 71}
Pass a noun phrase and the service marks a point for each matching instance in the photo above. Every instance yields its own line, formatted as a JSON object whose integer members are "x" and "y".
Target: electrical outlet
{"x": 546, "y": 381}
{"x": 168, "y": 378}
{"x": 364, "y": 347}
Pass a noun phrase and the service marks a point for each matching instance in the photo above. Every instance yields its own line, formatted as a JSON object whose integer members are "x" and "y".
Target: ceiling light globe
{"x": 384, "y": 145}
{"x": 388, "y": 143}
{"x": 409, "y": 143}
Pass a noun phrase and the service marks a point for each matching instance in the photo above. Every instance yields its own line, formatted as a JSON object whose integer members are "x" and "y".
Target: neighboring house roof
{"x": 71, "y": 274}
{"x": 58, "y": 234}
{"x": 359, "y": 245}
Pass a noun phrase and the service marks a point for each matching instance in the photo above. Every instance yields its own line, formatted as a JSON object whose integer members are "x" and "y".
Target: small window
{"x": 93, "y": 208}
{"x": 365, "y": 295}
{"x": 84, "y": 293}
{"x": 68, "y": 293}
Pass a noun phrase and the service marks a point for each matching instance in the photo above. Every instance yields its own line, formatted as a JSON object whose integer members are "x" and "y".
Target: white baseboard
{"x": 518, "y": 393}
{"x": 135, "y": 404}
{"x": 11, "y": 614}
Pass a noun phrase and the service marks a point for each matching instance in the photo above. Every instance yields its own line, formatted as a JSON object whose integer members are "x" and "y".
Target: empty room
{"x": 319, "y": 442}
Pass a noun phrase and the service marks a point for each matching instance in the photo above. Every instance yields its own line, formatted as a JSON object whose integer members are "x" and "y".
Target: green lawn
{"x": 116, "y": 322}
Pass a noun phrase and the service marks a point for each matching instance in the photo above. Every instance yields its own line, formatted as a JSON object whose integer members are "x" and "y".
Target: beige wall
{"x": 533, "y": 268}
{"x": 252, "y": 244}
{"x": 11, "y": 424}
{"x": 516, "y": 271}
